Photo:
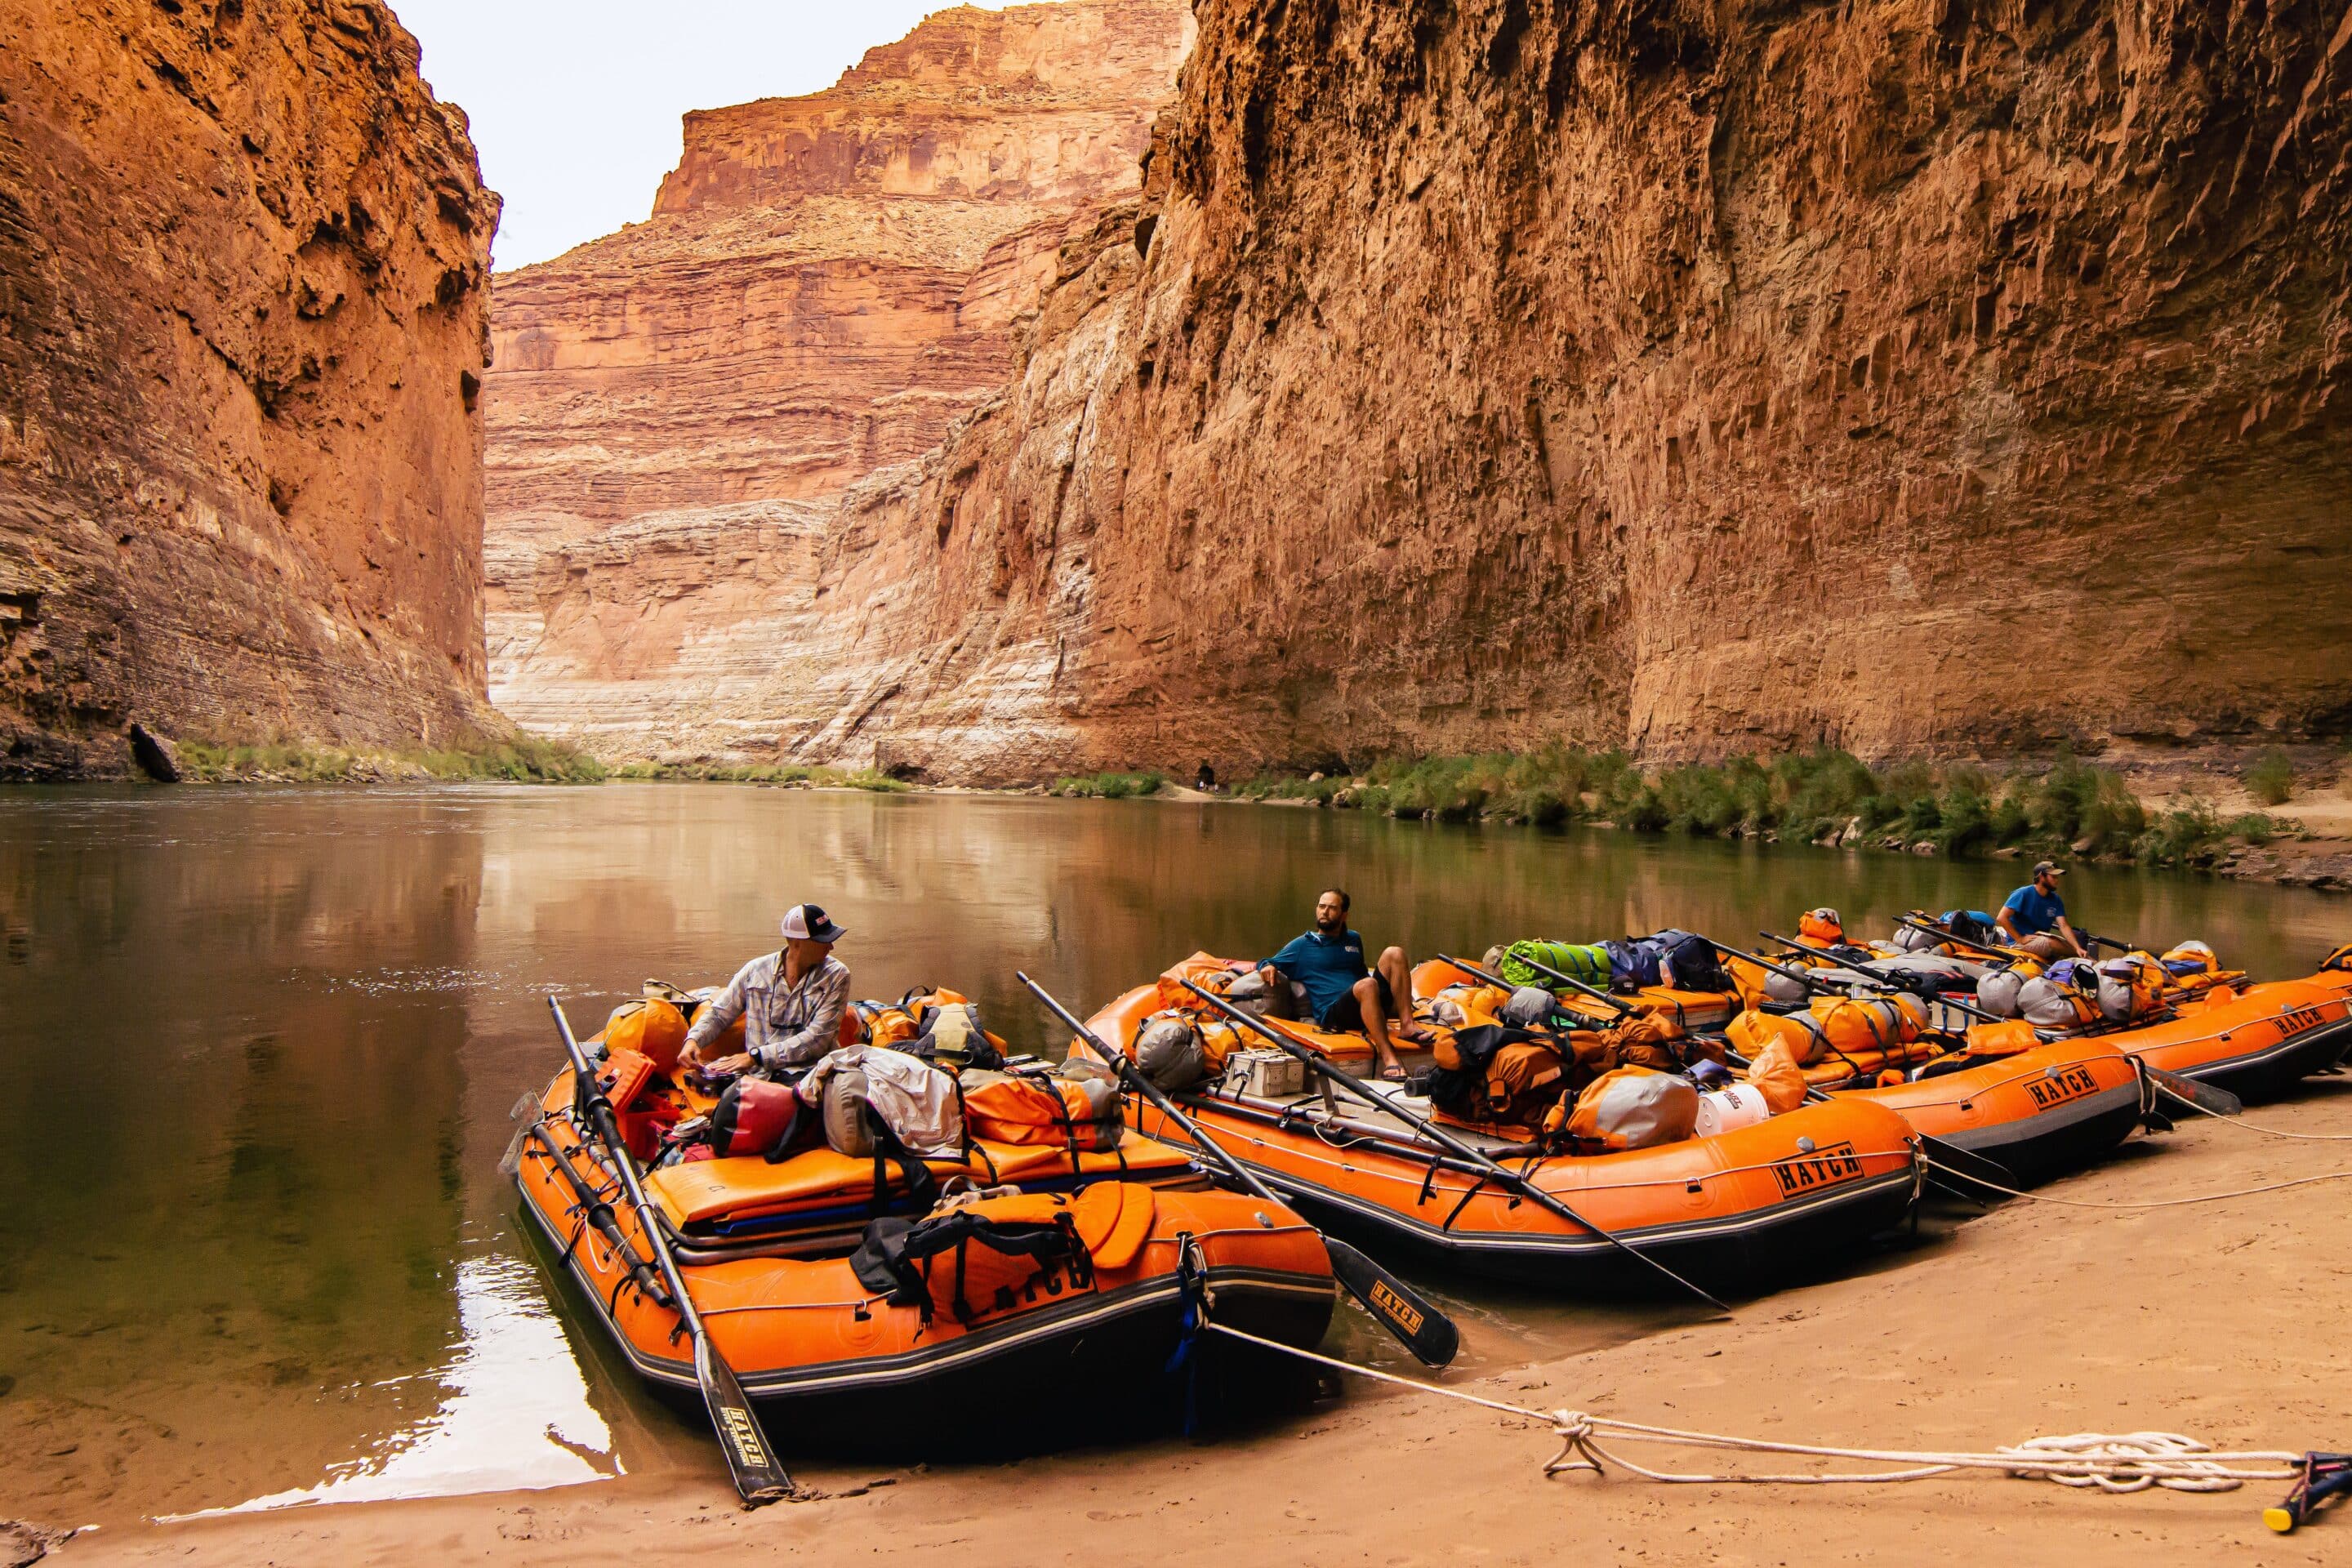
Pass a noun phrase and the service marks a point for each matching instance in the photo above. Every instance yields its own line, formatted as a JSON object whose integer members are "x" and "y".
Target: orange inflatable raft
{"x": 2036, "y": 1112}
{"x": 1737, "y": 1212}
{"x": 766, "y": 1249}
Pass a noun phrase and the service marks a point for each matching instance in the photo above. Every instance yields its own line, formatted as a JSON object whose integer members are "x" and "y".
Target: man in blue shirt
{"x": 1345, "y": 996}
{"x": 2034, "y": 918}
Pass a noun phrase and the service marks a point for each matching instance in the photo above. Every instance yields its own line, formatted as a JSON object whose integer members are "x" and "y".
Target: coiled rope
{"x": 2111, "y": 1462}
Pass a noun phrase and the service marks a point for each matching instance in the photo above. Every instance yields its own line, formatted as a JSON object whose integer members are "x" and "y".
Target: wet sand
{"x": 2222, "y": 1320}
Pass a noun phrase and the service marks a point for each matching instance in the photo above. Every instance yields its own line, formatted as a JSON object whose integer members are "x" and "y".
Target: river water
{"x": 263, "y": 1044}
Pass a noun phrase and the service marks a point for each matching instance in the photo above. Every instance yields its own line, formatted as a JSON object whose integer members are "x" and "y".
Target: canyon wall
{"x": 826, "y": 283}
{"x": 1924, "y": 377}
{"x": 244, "y": 267}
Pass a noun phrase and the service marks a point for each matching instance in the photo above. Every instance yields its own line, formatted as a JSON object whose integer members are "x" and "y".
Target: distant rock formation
{"x": 244, "y": 267}
{"x": 826, "y": 285}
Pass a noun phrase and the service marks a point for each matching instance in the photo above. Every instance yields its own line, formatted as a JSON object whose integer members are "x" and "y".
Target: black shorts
{"x": 1345, "y": 1017}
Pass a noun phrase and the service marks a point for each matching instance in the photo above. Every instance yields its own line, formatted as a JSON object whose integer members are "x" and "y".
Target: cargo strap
{"x": 1191, "y": 1284}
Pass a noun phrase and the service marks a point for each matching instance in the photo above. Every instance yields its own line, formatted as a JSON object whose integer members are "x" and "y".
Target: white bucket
{"x": 1724, "y": 1109}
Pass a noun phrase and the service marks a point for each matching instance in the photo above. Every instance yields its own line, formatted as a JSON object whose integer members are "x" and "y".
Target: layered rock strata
{"x": 243, "y": 265}
{"x": 1921, "y": 376}
{"x": 826, "y": 285}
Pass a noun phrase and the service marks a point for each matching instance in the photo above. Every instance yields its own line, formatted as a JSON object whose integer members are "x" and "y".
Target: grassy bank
{"x": 1823, "y": 796}
{"x": 765, "y": 773}
{"x": 1110, "y": 787}
{"x": 523, "y": 759}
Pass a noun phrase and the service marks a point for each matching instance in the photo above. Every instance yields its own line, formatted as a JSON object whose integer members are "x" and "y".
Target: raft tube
{"x": 2257, "y": 1043}
{"x": 853, "y": 1374}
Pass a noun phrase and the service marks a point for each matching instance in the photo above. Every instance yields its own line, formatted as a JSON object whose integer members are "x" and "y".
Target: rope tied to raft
{"x": 1975, "y": 1181}
{"x": 2111, "y": 1462}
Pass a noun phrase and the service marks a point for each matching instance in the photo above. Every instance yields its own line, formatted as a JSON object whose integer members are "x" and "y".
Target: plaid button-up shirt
{"x": 783, "y": 1026}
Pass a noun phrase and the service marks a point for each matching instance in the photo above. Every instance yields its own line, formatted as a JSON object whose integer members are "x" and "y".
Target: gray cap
{"x": 2051, "y": 867}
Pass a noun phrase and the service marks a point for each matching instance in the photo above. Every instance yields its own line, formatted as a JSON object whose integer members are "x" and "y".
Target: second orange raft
{"x": 1739, "y": 1211}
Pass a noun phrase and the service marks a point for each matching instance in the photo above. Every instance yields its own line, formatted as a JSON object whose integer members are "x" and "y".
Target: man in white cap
{"x": 2034, "y": 918}
{"x": 790, "y": 1003}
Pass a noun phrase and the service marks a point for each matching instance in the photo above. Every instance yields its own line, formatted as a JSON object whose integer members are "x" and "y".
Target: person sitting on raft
{"x": 1346, "y": 997}
{"x": 2034, "y": 918}
{"x": 790, "y": 1003}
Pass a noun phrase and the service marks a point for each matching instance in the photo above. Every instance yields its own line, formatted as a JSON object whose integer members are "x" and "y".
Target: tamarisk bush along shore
{"x": 522, "y": 759}
{"x": 1821, "y": 796}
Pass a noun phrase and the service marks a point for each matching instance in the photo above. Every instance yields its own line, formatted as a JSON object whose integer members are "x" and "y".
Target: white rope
{"x": 2230, "y": 1121}
{"x": 2125, "y": 1462}
{"x": 1975, "y": 1180}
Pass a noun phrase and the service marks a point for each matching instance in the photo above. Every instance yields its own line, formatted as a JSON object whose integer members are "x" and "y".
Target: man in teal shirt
{"x": 2034, "y": 918}
{"x": 1344, "y": 996}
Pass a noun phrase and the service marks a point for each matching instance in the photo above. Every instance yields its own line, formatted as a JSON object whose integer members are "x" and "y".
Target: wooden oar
{"x": 758, "y": 1477}
{"x": 597, "y": 1211}
{"x": 1442, "y": 1138}
{"x": 1396, "y": 1306}
{"x": 1624, "y": 1009}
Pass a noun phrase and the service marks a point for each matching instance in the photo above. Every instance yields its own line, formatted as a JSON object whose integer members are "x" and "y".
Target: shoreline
{"x": 2316, "y": 857}
{"x": 2033, "y": 1319}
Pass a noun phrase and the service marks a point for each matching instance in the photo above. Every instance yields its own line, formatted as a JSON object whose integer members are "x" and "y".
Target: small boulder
{"x": 153, "y": 754}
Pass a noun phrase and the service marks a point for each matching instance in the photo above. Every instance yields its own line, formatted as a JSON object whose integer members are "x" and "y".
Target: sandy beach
{"x": 2219, "y": 1320}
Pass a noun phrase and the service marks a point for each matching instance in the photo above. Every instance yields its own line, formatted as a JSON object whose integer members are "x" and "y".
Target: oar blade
{"x": 1415, "y": 1322}
{"x": 2188, "y": 1091}
{"x": 1959, "y": 1170}
{"x": 758, "y": 1477}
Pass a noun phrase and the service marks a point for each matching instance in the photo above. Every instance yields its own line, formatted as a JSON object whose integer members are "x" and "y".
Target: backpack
{"x": 949, "y": 1031}
{"x": 1633, "y": 964}
{"x": 1971, "y": 925}
{"x": 1493, "y": 1073}
{"x": 1690, "y": 963}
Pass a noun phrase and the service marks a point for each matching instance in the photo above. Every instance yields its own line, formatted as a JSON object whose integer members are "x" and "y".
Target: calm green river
{"x": 263, "y": 1043}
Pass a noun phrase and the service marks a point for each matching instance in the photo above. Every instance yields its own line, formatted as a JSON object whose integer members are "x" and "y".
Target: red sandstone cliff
{"x": 826, "y": 285}
{"x": 243, "y": 264}
{"x": 1920, "y": 377}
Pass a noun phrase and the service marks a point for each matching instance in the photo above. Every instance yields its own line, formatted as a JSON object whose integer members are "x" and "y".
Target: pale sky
{"x": 575, "y": 103}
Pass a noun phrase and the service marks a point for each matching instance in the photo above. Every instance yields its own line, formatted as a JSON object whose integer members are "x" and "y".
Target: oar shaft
{"x": 1416, "y": 1323}
{"x": 596, "y": 1210}
{"x": 1940, "y": 934}
{"x": 1441, "y": 1137}
{"x": 600, "y": 1113}
{"x": 1133, "y": 1077}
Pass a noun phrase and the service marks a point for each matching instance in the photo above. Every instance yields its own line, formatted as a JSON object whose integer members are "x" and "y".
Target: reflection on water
{"x": 261, "y": 1045}
{"x": 513, "y": 1415}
